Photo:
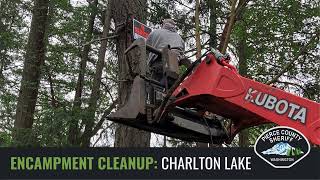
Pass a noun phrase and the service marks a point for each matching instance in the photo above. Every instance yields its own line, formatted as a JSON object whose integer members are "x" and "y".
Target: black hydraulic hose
{"x": 153, "y": 50}
{"x": 166, "y": 99}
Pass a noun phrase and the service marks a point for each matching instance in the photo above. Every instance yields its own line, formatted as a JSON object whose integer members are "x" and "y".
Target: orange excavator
{"x": 210, "y": 102}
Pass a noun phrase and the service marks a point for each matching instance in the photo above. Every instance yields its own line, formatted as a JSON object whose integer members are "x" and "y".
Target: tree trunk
{"x": 198, "y": 45}
{"x": 227, "y": 28}
{"x": 243, "y": 71}
{"x": 123, "y": 9}
{"x": 95, "y": 94}
{"x": 73, "y": 127}
{"x": 34, "y": 59}
{"x": 197, "y": 32}
{"x": 1, "y": 74}
{"x": 47, "y": 69}
{"x": 212, "y": 42}
{"x": 234, "y": 13}
{"x": 213, "y": 23}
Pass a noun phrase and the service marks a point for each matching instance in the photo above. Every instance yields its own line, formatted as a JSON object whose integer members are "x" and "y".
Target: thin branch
{"x": 305, "y": 92}
{"x": 102, "y": 39}
{"x": 194, "y": 49}
{"x": 234, "y": 13}
{"x": 295, "y": 58}
{"x": 103, "y": 118}
{"x": 100, "y": 136}
{"x": 179, "y": 2}
{"x": 240, "y": 7}
{"x": 88, "y": 134}
{"x": 229, "y": 26}
{"x": 273, "y": 65}
{"x": 108, "y": 91}
{"x": 291, "y": 83}
{"x": 54, "y": 102}
{"x": 116, "y": 80}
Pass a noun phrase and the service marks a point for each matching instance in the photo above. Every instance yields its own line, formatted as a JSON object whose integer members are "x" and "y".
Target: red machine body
{"x": 221, "y": 90}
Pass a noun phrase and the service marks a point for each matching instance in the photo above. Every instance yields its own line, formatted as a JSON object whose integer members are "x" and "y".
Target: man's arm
{"x": 183, "y": 45}
{"x": 184, "y": 60}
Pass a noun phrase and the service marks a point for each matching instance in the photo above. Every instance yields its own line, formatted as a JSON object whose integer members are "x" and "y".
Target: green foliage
{"x": 255, "y": 132}
{"x": 276, "y": 32}
{"x": 178, "y": 143}
{"x": 182, "y": 69}
{"x": 24, "y": 137}
{"x": 5, "y": 139}
{"x": 273, "y": 31}
{"x": 51, "y": 127}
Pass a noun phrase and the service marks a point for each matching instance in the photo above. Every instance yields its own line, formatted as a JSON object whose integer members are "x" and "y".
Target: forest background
{"x": 62, "y": 68}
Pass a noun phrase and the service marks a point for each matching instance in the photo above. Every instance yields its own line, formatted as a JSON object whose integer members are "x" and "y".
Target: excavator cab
{"x": 147, "y": 94}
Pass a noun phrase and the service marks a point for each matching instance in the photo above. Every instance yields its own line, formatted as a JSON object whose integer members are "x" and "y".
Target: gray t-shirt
{"x": 163, "y": 37}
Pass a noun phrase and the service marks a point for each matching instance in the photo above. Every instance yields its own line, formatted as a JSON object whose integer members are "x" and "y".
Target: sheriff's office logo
{"x": 282, "y": 147}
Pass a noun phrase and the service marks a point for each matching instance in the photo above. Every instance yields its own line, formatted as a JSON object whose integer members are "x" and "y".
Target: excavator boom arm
{"x": 209, "y": 86}
{"x": 221, "y": 90}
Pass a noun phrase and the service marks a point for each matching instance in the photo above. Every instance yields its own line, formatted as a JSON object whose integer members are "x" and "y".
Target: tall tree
{"x": 95, "y": 90}
{"x": 243, "y": 70}
{"x": 212, "y": 4}
{"x": 197, "y": 29}
{"x": 235, "y": 10}
{"x": 213, "y": 36}
{"x": 34, "y": 59}
{"x": 122, "y": 9}
{"x": 198, "y": 45}
{"x": 73, "y": 136}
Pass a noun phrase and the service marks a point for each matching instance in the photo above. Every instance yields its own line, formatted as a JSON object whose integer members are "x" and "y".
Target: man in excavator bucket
{"x": 166, "y": 36}
{"x": 159, "y": 72}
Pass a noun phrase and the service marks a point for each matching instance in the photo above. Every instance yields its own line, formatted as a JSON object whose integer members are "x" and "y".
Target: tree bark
{"x": 73, "y": 136}
{"x": 1, "y": 74}
{"x": 198, "y": 45}
{"x": 95, "y": 90}
{"x": 213, "y": 23}
{"x": 228, "y": 27}
{"x": 122, "y": 9}
{"x": 34, "y": 59}
{"x": 47, "y": 69}
{"x": 234, "y": 13}
{"x": 212, "y": 42}
{"x": 212, "y": 4}
{"x": 197, "y": 28}
{"x": 243, "y": 71}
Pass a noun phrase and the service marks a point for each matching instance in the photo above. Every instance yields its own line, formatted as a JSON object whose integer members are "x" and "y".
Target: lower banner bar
{"x": 149, "y": 163}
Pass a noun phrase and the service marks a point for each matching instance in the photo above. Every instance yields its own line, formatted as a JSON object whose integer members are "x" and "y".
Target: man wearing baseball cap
{"x": 160, "y": 38}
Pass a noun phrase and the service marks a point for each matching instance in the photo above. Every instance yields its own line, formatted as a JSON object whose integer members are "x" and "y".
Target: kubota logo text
{"x": 280, "y": 106}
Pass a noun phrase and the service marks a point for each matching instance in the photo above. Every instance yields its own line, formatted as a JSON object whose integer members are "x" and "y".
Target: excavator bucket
{"x": 181, "y": 123}
{"x": 135, "y": 104}
{"x": 184, "y": 124}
